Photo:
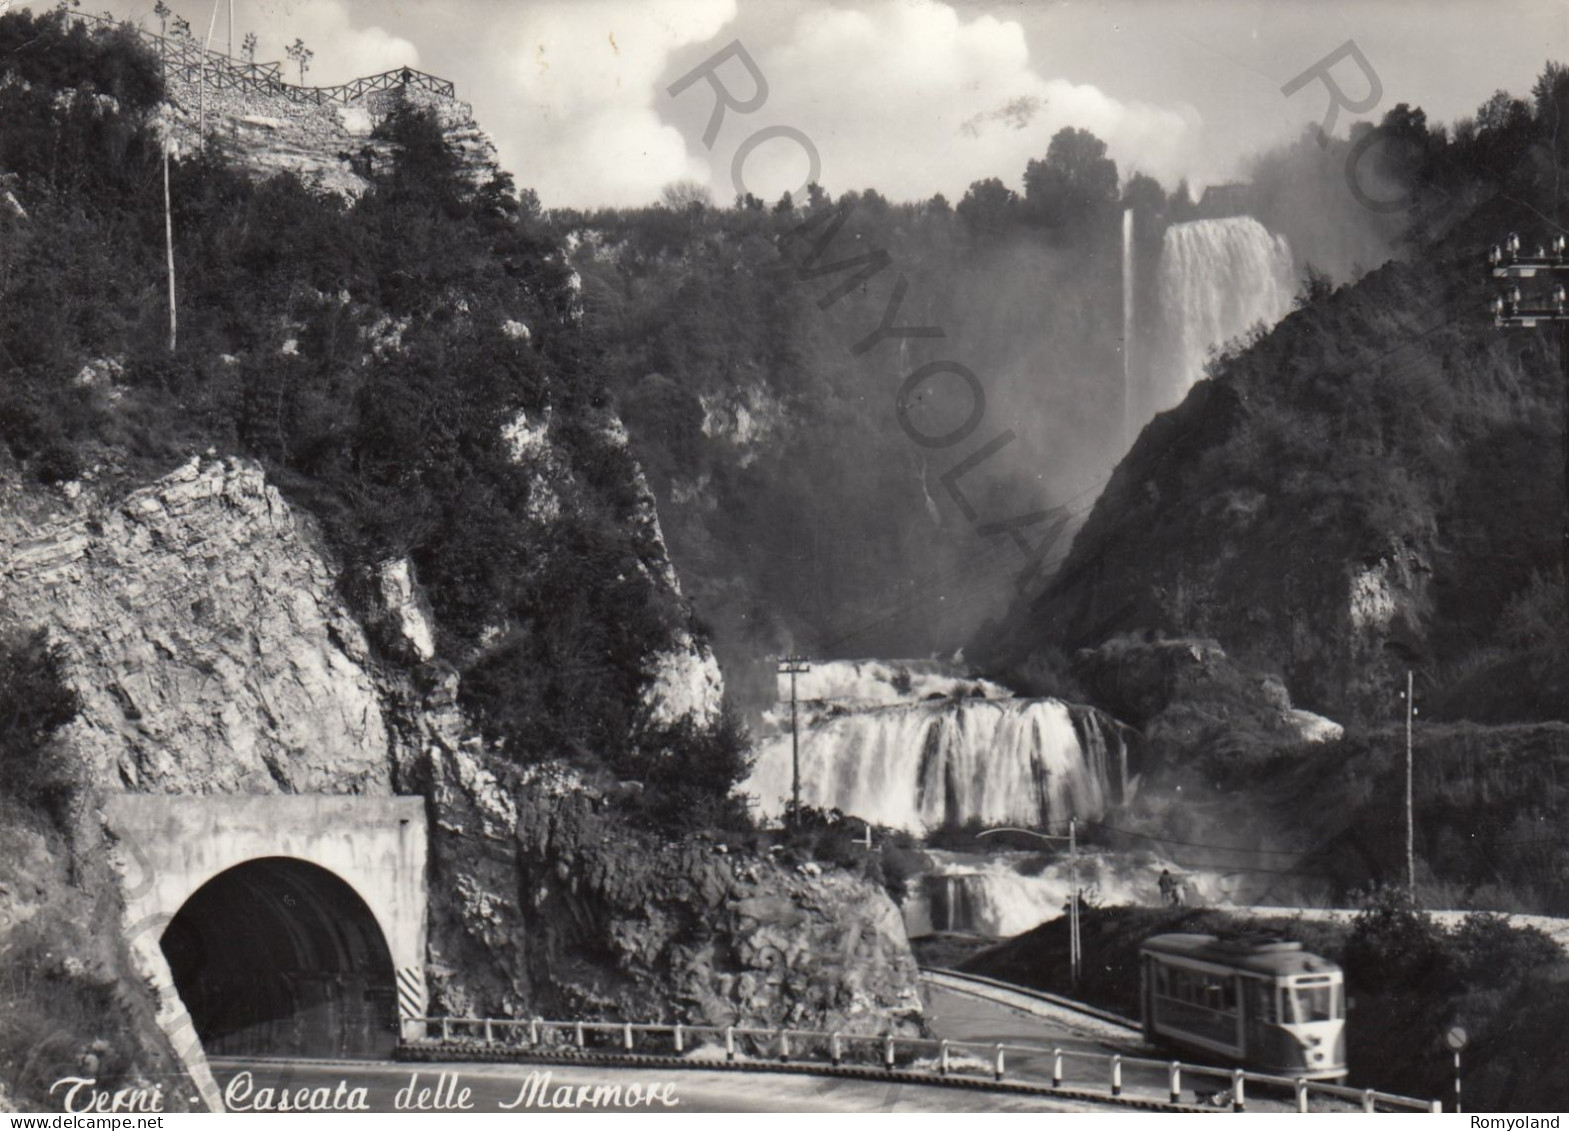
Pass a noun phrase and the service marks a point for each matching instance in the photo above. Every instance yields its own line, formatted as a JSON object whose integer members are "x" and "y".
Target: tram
{"x": 1258, "y": 1001}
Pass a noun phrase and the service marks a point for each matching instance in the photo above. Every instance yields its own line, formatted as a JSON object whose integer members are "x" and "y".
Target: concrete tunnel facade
{"x": 276, "y": 924}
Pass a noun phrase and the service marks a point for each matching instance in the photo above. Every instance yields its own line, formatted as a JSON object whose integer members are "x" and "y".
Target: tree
{"x": 1551, "y": 92}
{"x": 182, "y": 27}
{"x": 301, "y": 55}
{"x": 162, "y": 11}
{"x": 989, "y": 207}
{"x": 35, "y": 703}
{"x": 248, "y": 47}
{"x": 1316, "y": 285}
{"x": 1076, "y": 183}
{"x": 678, "y": 196}
{"x": 1144, "y": 195}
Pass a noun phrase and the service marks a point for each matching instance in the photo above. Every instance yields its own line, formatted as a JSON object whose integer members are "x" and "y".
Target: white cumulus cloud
{"x": 585, "y": 127}
{"x": 343, "y": 50}
{"x": 911, "y": 98}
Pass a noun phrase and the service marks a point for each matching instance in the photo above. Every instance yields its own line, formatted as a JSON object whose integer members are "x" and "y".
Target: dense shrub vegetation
{"x": 35, "y": 704}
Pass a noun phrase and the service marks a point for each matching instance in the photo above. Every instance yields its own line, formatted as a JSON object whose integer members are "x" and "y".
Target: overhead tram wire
{"x": 1193, "y": 843}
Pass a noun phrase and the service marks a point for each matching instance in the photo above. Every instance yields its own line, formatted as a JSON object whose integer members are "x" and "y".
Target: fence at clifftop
{"x": 185, "y": 57}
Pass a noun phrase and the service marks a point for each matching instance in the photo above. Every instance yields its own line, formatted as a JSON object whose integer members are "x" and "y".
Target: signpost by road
{"x": 1457, "y": 1040}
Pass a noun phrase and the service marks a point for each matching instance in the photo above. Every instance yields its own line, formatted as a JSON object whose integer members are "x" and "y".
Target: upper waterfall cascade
{"x": 1216, "y": 279}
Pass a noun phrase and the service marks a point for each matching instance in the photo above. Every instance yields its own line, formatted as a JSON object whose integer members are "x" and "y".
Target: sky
{"x": 910, "y": 97}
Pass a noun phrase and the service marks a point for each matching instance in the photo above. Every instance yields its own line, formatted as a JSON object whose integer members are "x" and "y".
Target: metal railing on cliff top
{"x": 185, "y": 57}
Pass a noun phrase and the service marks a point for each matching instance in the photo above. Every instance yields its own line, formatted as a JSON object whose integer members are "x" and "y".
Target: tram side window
{"x": 1263, "y": 1004}
{"x": 1209, "y": 991}
{"x": 1162, "y": 980}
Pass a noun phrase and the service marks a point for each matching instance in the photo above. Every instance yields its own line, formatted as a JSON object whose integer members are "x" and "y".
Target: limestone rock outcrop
{"x": 265, "y": 133}
{"x": 640, "y": 928}
{"x": 205, "y": 637}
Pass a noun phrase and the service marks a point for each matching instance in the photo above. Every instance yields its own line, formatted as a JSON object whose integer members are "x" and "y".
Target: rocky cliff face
{"x": 205, "y": 638}
{"x": 640, "y": 928}
{"x": 265, "y": 133}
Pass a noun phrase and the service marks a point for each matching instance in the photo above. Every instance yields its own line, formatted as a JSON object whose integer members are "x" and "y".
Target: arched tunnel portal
{"x": 279, "y": 956}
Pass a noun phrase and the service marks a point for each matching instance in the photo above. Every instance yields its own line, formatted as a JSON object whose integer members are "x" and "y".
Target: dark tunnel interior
{"x": 280, "y": 957}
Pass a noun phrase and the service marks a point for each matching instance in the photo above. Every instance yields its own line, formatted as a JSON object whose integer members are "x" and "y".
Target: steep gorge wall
{"x": 1358, "y": 493}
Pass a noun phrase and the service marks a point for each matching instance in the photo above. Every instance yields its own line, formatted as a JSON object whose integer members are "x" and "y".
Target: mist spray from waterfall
{"x": 1127, "y": 328}
{"x": 1217, "y": 278}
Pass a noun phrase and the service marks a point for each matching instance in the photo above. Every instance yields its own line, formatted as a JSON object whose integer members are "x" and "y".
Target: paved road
{"x": 542, "y": 1087}
{"x": 556, "y": 1087}
{"x": 964, "y": 1016}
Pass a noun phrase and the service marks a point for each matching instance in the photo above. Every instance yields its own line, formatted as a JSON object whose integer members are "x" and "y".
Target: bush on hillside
{"x": 35, "y": 704}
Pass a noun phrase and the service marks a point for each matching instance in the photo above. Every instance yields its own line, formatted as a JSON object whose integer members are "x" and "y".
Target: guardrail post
{"x": 729, "y": 1042}
{"x": 1369, "y": 1100}
{"x": 942, "y": 1051}
{"x": 997, "y": 1064}
{"x": 533, "y": 1031}
{"x": 1176, "y": 1082}
{"x": 578, "y": 1033}
{"x": 1116, "y": 1075}
{"x": 835, "y": 1050}
{"x": 1437, "y": 1108}
{"x": 1056, "y": 1068}
{"x": 490, "y": 1036}
{"x": 1302, "y": 1094}
{"x": 1239, "y": 1099}
{"x": 784, "y": 1046}
{"x": 888, "y": 1052}
{"x": 679, "y": 1047}
{"x": 626, "y": 1034}
{"x": 446, "y": 1029}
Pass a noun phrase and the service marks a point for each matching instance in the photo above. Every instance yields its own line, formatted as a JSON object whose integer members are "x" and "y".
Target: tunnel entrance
{"x": 280, "y": 957}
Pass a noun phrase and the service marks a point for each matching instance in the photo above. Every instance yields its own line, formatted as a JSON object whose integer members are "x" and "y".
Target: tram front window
{"x": 1311, "y": 1001}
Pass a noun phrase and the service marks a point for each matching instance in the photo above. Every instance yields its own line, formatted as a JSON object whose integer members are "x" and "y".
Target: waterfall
{"x": 1216, "y": 279}
{"x": 1127, "y": 328}
{"x": 921, "y": 765}
{"x": 1007, "y": 894}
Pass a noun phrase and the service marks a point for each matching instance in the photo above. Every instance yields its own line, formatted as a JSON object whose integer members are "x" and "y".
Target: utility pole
{"x": 201, "y": 81}
{"x": 1075, "y": 946}
{"x": 1410, "y": 699}
{"x": 793, "y": 666}
{"x": 1511, "y": 309}
{"x": 168, "y": 237}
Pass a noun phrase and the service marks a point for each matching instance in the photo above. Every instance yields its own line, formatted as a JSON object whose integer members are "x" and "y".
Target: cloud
{"x": 910, "y": 98}
{"x": 584, "y": 78}
{"x": 343, "y": 51}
